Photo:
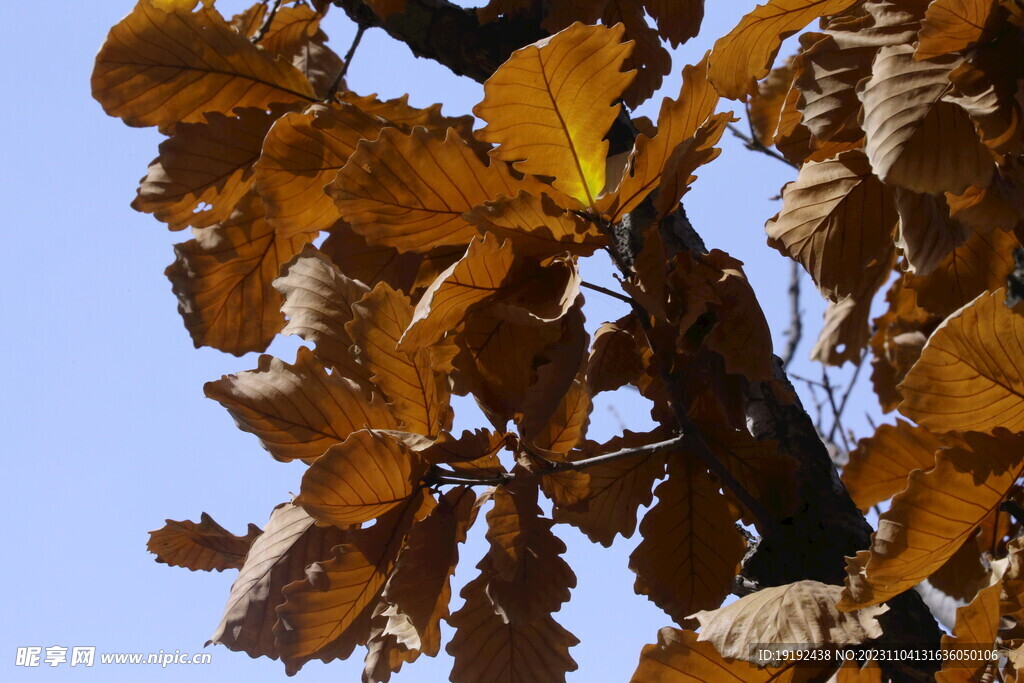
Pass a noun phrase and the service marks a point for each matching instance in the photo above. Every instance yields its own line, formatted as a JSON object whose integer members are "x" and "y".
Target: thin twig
{"x": 849, "y": 389}
{"x": 346, "y": 60}
{"x": 267, "y": 21}
{"x": 796, "y": 321}
{"x": 836, "y": 414}
{"x": 608, "y": 292}
{"x": 755, "y": 145}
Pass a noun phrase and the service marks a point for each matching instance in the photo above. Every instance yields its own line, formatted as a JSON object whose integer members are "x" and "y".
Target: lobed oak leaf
{"x": 411, "y": 191}
{"x": 677, "y": 22}
{"x": 200, "y": 547}
{"x": 160, "y": 67}
{"x": 487, "y": 649}
{"x": 552, "y": 441}
{"x": 360, "y": 479}
{"x": 549, "y": 106}
{"x": 952, "y": 26}
{"x": 933, "y": 517}
{"x": 800, "y": 612}
{"x": 916, "y": 139}
{"x": 223, "y": 277}
{"x": 318, "y": 301}
{"x": 649, "y": 59}
{"x": 926, "y": 233}
{"x": 968, "y": 376}
{"x": 537, "y": 226}
{"x": 205, "y": 168}
{"x": 691, "y": 548}
{"x": 415, "y": 384}
{"x": 836, "y": 220}
{"x": 745, "y": 55}
{"x": 615, "y": 359}
{"x": 301, "y": 154}
{"x": 880, "y": 464}
{"x": 481, "y": 274}
{"x": 290, "y": 542}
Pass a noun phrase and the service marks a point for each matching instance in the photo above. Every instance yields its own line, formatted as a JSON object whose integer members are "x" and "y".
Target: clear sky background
{"x": 107, "y": 432}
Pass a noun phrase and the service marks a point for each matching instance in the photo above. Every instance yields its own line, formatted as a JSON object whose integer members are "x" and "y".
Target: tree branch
{"x": 267, "y": 21}
{"x": 608, "y": 292}
{"x": 796, "y": 321}
{"x": 346, "y": 60}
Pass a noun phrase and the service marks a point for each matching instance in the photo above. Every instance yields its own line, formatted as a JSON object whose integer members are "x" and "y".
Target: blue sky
{"x": 107, "y": 430}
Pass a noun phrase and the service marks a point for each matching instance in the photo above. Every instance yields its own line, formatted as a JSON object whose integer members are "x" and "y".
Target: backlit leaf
{"x": 537, "y": 226}
{"x": 880, "y": 464}
{"x": 926, "y": 233}
{"x": 977, "y": 624}
{"x": 204, "y": 546}
{"x": 952, "y": 26}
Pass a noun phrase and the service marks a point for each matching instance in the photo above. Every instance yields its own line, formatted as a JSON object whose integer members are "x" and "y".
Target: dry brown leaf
{"x": 360, "y": 479}
{"x": 161, "y": 67}
{"x": 651, "y": 61}
{"x": 223, "y": 277}
{"x": 687, "y": 157}
{"x": 977, "y": 625}
{"x": 745, "y": 54}
{"x": 289, "y": 543}
{"x": 952, "y": 26}
{"x": 371, "y": 263}
{"x": 200, "y": 547}
{"x": 985, "y": 209}
{"x": 410, "y": 191}
{"x": 691, "y": 548}
{"x": 896, "y": 345}
{"x": 933, "y": 517}
{"x": 549, "y": 106}
{"x": 801, "y": 612}
{"x": 204, "y": 168}
{"x": 765, "y": 104}
{"x": 399, "y": 113}
{"x": 536, "y": 226}
{"x": 836, "y": 220}
{"x": 915, "y": 139}
{"x": 318, "y": 301}
{"x": 416, "y": 384}
{"x": 479, "y": 275}
{"x": 926, "y": 233}
{"x": 677, "y": 20}
{"x": 486, "y": 649}
{"x": 880, "y": 464}
{"x": 298, "y": 411}
{"x": 475, "y": 451}
{"x": 302, "y": 153}
{"x": 615, "y": 489}
{"x": 330, "y": 611}
{"x": 614, "y": 358}
{"x": 963, "y": 574}
{"x": 969, "y": 374}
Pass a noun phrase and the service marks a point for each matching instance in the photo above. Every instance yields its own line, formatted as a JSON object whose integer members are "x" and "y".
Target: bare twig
{"x": 755, "y": 145}
{"x": 849, "y": 390}
{"x": 267, "y": 21}
{"x": 609, "y": 292}
{"x": 796, "y": 322}
{"x": 837, "y": 416}
{"x": 345, "y": 61}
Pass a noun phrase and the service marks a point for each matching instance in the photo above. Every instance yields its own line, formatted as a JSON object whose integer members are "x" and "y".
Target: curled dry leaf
{"x": 200, "y": 547}
{"x": 545, "y": 112}
{"x": 801, "y": 612}
{"x": 880, "y": 464}
{"x": 926, "y": 233}
{"x": 536, "y": 226}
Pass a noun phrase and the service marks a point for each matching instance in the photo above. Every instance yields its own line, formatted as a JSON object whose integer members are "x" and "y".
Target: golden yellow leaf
{"x": 318, "y": 302}
{"x": 410, "y": 191}
{"x": 159, "y": 68}
{"x": 290, "y": 542}
{"x": 691, "y": 548}
{"x": 302, "y": 153}
{"x": 536, "y": 226}
{"x": 615, "y": 489}
{"x": 416, "y": 384}
{"x": 977, "y": 625}
{"x": 915, "y": 139}
{"x": 298, "y": 411}
{"x": 476, "y": 277}
{"x": 687, "y": 157}
{"x": 880, "y": 464}
{"x": 360, "y": 479}
{"x": 204, "y": 546}
{"x": 745, "y": 54}
{"x": 331, "y": 608}
{"x": 487, "y": 649}
{"x": 801, "y": 612}
{"x": 933, "y": 517}
{"x": 836, "y": 220}
{"x": 549, "y": 106}
{"x": 400, "y": 114}
{"x": 223, "y": 277}
{"x": 952, "y": 26}
{"x": 678, "y": 121}
{"x": 207, "y": 164}
{"x": 969, "y": 374}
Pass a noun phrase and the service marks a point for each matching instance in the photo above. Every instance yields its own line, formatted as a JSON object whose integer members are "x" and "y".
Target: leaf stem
{"x": 267, "y": 21}
{"x": 608, "y": 292}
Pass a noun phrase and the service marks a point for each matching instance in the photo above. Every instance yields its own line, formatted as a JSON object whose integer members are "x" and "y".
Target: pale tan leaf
{"x": 549, "y": 106}
{"x": 880, "y": 464}
{"x": 298, "y": 411}
{"x": 200, "y": 547}
{"x": 360, "y": 479}
{"x": 745, "y": 54}
{"x": 289, "y": 543}
{"x": 969, "y": 376}
{"x": 223, "y": 277}
{"x": 952, "y": 26}
{"x": 765, "y": 104}
{"x": 801, "y": 612}
{"x": 301, "y": 154}
{"x": 161, "y": 67}
{"x": 836, "y": 220}
{"x": 915, "y": 139}
{"x": 926, "y": 233}
{"x": 933, "y": 517}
